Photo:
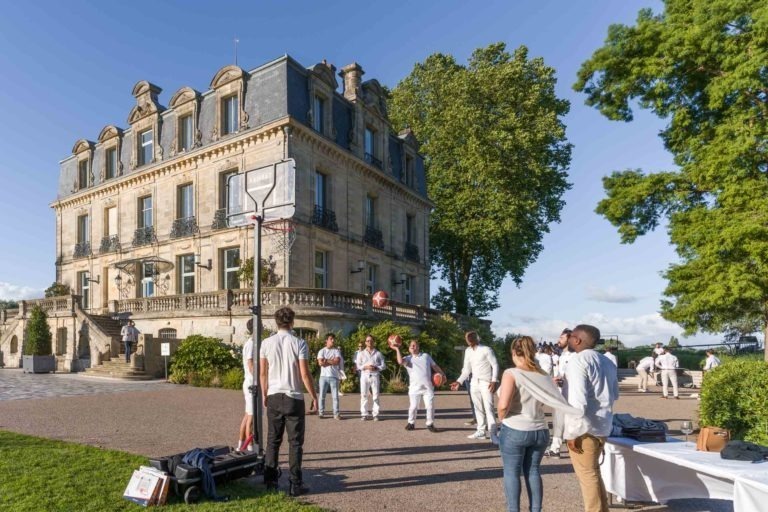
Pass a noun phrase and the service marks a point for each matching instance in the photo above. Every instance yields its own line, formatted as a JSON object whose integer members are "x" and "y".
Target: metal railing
{"x": 411, "y": 252}
{"x": 144, "y": 236}
{"x": 186, "y": 226}
{"x": 109, "y": 244}
{"x": 373, "y": 237}
{"x": 220, "y": 219}
{"x": 82, "y": 250}
{"x": 325, "y": 218}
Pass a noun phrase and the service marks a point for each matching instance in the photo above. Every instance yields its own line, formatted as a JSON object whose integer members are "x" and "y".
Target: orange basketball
{"x": 437, "y": 379}
{"x": 380, "y": 299}
{"x": 394, "y": 340}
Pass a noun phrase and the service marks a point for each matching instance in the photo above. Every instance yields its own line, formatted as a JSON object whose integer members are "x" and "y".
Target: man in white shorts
{"x": 420, "y": 367}
{"x": 247, "y": 423}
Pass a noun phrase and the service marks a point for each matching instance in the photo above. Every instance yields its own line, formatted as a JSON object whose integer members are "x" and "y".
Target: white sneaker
{"x": 477, "y": 435}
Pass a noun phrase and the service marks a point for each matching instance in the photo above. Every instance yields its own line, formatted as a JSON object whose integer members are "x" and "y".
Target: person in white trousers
{"x": 558, "y": 419}
{"x": 644, "y": 368}
{"x": 369, "y": 363}
{"x": 480, "y": 362}
{"x": 668, "y": 363}
{"x": 420, "y": 367}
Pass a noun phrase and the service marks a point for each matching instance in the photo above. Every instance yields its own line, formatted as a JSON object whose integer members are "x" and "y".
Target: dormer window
{"x": 111, "y": 163}
{"x": 146, "y": 147}
{"x": 318, "y": 114}
{"x": 82, "y": 174}
{"x": 186, "y": 138}
{"x": 408, "y": 174}
{"x": 230, "y": 108}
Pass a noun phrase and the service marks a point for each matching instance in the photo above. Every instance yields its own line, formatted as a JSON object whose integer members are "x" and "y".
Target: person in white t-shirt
{"x": 331, "y": 365}
{"x": 712, "y": 361}
{"x": 247, "y": 423}
{"x": 420, "y": 368}
{"x": 658, "y": 349}
{"x": 611, "y": 357}
{"x": 668, "y": 363}
{"x": 544, "y": 359}
{"x": 284, "y": 368}
{"x": 644, "y": 368}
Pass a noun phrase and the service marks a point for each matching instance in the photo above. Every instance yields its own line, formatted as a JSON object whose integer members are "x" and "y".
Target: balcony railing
{"x": 109, "y": 244}
{"x": 374, "y": 238}
{"x": 82, "y": 250}
{"x": 325, "y": 218}
{"x": 305, "y": 301}
{"x": 411, "y": 252}
{"x": 373, "y": 160}
{"x": 144, "y": 236}
{"x": 220, "y": 219}
{"x": 184, "y": 227}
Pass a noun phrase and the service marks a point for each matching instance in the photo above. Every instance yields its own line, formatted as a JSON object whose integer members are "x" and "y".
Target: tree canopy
{"x": 702, "y": 66}
{"x": 496, "y": 156}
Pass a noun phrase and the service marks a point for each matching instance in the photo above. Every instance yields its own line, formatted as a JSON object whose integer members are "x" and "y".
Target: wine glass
{"x": 686, "y": 427}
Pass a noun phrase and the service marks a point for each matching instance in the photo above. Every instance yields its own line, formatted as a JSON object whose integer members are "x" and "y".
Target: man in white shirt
{"x": 420, "y": 367}
{"x": 283, "y": 369}
{"x": 480, "y": 362}
{"x": 644, "y": 368}
{"x": 668, "y": 363}
{"x": 247, "y": 423}
{"x": 129, "y": 334}
{"x": 558, "y": 419}
{"x": 612, "y": 358}
{"x": 331, "y": 365}
{"x": 369, "y": 363}
{"x": 712, "y": 361}
{"x": 658, "y": 349}
{"x": 592, "y": 388}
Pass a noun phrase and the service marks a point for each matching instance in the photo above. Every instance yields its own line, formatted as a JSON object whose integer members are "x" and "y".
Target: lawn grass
{"x": 43, "y": 475}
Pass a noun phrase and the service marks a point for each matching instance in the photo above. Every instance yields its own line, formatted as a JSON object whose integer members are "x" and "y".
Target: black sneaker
{"x": 432, "y": 428}
{"x": 409, "y": 426}
{"x": 297, "y": 489}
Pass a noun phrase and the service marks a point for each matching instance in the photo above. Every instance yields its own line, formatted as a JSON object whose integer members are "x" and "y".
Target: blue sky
{"x": 68, "y": 69}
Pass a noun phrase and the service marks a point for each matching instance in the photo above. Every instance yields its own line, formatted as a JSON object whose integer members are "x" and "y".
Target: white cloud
{"x": 610, "y": 294}
{"x": 10, "y": 291}
{"x": 632, "y": 330}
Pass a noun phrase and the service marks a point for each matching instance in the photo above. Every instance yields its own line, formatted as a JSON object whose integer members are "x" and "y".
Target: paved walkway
{"x": 351, "y": 466}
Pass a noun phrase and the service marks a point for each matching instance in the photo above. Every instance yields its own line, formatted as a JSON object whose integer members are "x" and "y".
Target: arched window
{"x": 167, "y": 333}
{"x": 14, "y": 344}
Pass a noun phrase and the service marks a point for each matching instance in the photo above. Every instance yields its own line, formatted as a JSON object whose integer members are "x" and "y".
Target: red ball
{"x": 437, "y": 379}
{"x": 394, "y": 340}
{"x": 380, "y": 299}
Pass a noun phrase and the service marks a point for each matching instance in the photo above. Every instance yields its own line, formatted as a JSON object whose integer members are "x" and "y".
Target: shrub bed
{"x": 733, "y": 396}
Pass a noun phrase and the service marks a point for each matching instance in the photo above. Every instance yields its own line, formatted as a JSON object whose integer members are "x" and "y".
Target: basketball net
{"x": 282, "y": 234}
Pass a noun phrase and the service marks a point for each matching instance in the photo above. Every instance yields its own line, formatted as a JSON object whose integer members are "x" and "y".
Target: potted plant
{"x": 38, "y": 356}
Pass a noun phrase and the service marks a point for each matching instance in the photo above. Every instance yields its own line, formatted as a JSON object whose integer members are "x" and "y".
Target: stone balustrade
{"x": 50, "y": 305}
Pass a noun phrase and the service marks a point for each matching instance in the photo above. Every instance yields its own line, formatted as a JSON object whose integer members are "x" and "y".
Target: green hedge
{"x": 202, "y": 361}
{"x": 733, "y": 396}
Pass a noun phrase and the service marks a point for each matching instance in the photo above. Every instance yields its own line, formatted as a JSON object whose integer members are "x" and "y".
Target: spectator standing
{"x": 558, "y": 420}
{"x": 331, "y": 365}
{"x": 284, "y": 367}
{"x": 668, "y": 363}
{"x": 480, "y": 362}
{"x": 370, "y": 363}
{"x": 246, "y": 425}
{"x": 611, "y": 357}
{"x": 130, "y": 335}
{"x": 592, "y": 389}
{"x": 712, "y": 361}
{"x": 544, "y": 360}
{"x": 658, "y": 349}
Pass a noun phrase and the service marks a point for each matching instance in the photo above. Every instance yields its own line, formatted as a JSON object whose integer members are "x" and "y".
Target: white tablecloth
{"x": 663, "y": 471}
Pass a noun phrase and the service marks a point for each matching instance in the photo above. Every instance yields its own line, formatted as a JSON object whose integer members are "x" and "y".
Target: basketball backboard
{"x": 268, "y": 191}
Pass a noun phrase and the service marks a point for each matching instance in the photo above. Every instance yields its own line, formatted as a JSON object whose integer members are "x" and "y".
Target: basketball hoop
{"x": 282, "y": 233}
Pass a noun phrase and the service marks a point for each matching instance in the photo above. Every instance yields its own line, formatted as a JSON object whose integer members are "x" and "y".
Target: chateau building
{"x": 141, "y": 215}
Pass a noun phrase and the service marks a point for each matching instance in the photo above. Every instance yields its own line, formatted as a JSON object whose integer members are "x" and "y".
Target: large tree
{"x": 495, "y": 156}
{"x": 702, "y": 65}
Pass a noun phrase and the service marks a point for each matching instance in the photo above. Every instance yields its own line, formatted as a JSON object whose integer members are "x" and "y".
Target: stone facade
{"x": 140, "y": 212}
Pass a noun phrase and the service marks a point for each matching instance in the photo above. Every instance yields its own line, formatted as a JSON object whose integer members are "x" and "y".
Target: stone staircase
{"x": 117, "y": 369}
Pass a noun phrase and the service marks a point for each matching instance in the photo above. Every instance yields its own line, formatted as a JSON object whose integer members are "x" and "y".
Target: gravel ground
{"x": 350, "y": 465}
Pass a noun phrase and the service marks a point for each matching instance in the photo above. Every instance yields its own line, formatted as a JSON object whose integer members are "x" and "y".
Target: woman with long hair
{"x": 524, "y": 435}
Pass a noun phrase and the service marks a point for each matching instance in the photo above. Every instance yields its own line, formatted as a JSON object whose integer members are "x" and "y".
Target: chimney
{"x": 352, "y": 74}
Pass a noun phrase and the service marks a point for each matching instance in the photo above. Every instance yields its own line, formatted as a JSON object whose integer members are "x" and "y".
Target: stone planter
{"x": 39, "y": 364}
